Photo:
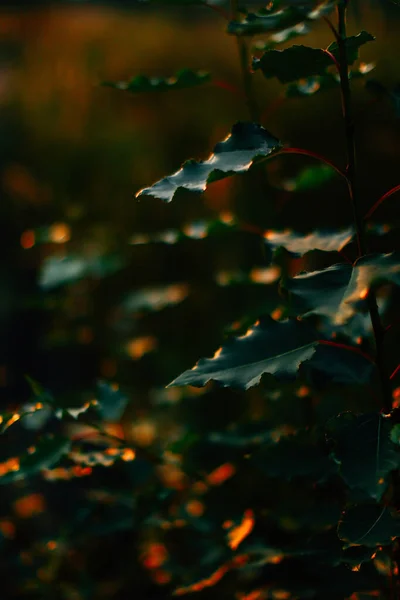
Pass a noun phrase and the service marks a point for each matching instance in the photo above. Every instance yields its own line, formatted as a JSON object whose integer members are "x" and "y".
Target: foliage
{"x": 274, "y": 469}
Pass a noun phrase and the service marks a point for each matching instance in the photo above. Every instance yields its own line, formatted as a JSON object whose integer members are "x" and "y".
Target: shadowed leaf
{"x": 300, "y": 244}
{"x": 364, "y": 451}
{"x": 369, "y": 525}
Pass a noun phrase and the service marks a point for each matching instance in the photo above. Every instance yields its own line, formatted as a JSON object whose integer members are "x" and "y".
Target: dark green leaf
{"x": 57, "y": 271}
{"x": 185, "y": 78}
{"x": 364, "y": 451}
{"x": 236, "y": 154}
{"x": 256, "y": 23}
{"x": 271, "y": 347}
{"x": 296, "y": 62}
{"x": 282, "y": 36}
{"x": 47, "y": 452}
{"x": 369, "y": 525}
{"x": 302, "y": 62}
{"x": 320, "y": 83}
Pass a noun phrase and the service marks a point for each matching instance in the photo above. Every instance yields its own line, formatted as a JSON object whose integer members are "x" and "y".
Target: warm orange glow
{"x": 255, "y": 595}
{"x": 140, "y": 346}
{"x": 267, "y": 275}
{"x": 200, "y": 487}
{"x": 13, "y": 419}
{"x": 172, "y": 476}
{"x": 59, "y": 233}
{"x": 226, "y": 217}
{"x": 195, "y": 508}
{"x": 28, "y": 239}
{"x": 161, "y": 577}
{"x": 239, "y": 533}
{"x": 81, "y": 471}
{"x": 227, "y": 524}
{"x": 51, "y": 545}
{"x": 154, "y": 556}
{"x": 7, "y": 528}
{"x": 128, "y": 455}
{"x": 144, "y": 433}
{"x": 221, "y": 474}
{"x": 280, "y": 595}
{"x": 29, "y": 506}
{"x": 303, "y": 391}
{"x": 277, "y": 313}
{"x": 200, "y": 585}
{"x": 217, "y": 353}
{"x": 364, "y": 293}
{"x": 12, "y": 464}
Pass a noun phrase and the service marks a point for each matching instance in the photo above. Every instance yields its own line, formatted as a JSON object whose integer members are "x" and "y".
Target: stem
{"x": 247, "y": 78}
{"x": 382, "y": 199}
{"x": 353, "y": 192}
{"x": 315, "y": 155}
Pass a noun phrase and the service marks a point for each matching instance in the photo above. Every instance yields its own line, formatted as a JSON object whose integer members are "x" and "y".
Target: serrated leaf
{"x": 270, "y": 346}
{"x": 364, "y": 451}
{"x": 185, "y": 78}
{"x": 335, "y": 292}
{"x": 369, "y": 525}
{"x": 46, "y": 453}
{"x": 247, "y": 143}
{"x": 300, "y": 244}
{"x": 296, "y": 62}
{"x": 302, "y": 62}
{"x": 353, "y": 44}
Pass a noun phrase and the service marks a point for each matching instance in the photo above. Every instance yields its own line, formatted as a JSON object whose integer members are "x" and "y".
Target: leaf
{"x": 369, "y": 525}
{"x": 255, "y": 23}
{"x": 185, "y": 78}
{"x": 299, "y": 244}
{"x": 364, "y": 451}
{"x": 46, "y": 453}
{"x": 353, "y": 44}
{"x": 320, "y": 83}
{"x": 310, "y": 178}
{"x": 57, "y": 271}
{"x": 111, "y": 402}
{"x": 301, "y": 62}
{"x": 247, "y": 143}
{"x": 285, "y": 18}
{"x": 296, "y": 62}
{"x": 335, "y": 292}
{"x": 270, "y": 346}
{"x": 282, "y": 36}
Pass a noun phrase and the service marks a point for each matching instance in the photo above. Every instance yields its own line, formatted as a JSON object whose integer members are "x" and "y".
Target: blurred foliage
{"x": 106, "y": 299}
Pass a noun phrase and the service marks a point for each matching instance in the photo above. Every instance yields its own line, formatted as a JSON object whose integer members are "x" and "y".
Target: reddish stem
{"x": 217, "y": 9}
{"x": 393, "y": 375}
{"x": 225, "y": 85}
{"x": 315, "y": 155}
{"x": 347, "y": 347}
{"x": 381, "y": 200}
{"x": 334, "y": 59}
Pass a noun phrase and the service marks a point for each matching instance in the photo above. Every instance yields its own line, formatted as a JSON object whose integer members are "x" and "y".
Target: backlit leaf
{"x": 364, "y": 450}
{"x": 270, "y": 346}
{"x": 185, "y": 78}
{"x": 247, "y": 143}
{"x": 300, "y": 244}
{"x": 43, "y": 455}
{"x": 335, "y": 292}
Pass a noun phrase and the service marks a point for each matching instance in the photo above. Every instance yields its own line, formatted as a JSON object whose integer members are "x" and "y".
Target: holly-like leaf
{"x": 364, "y": 451}
{"x": 46, "y": 453}
{"x": 300, "y": 244}
{"x": 335, "y": 292}
{"x": 369, "y": 525}
{"x": 302, "y": 62}
{"x": 247, "y": 143}
{"x": 270, "y": 346}
{"x": 185, "y": 78}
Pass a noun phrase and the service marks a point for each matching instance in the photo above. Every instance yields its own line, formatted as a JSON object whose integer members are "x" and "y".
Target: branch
{"x": 381, "y": 200}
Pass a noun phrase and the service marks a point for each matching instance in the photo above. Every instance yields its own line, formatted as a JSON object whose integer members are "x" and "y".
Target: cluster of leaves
{"x": 317, "y": 512}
